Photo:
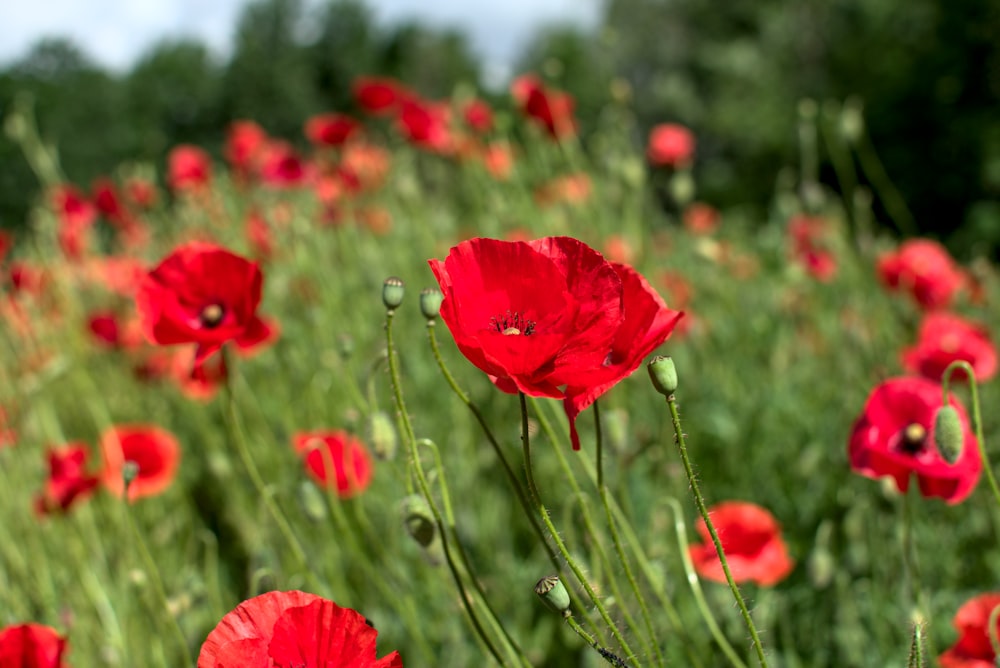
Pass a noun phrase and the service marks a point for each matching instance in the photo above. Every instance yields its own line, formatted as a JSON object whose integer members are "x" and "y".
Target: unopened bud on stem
{"x": 948, "y": 435}
{"x": 430, "y": 302}
{"x": 392, "y": 292}
{"x": 663, "y": 373}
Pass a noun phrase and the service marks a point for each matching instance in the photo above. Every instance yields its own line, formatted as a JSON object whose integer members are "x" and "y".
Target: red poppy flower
{"x": 922, "y": 268}
{"x": 200, "y": 382}
{"x": 140, "y": 192}
{"x": 701, "y": 218}
{"x": 188, "y": 168}
{"x": 425, "y": 124}
{"x": 973, "y": 648}
{"x": 108, "y": 201}
{"x": 72, "y": 207}
{"x": 378, "y": 96}
{"x": 330, "y": 129}
{"x": 293, "y": 628}
{"x": 351, "y": 464}
{"x": 498, "y": 158}
{"x": 548, "y": 313}
{"x": 945, "y": 338}
{"x": 244, "y": 142}
{"x": 894, "y": 436}
{"x": 281, "y": 166}
{"x": 751, "y": 539}
{"x": 478, "y": 116}
{"x": 552, "y": 109}
{"x": 200, "y": 294}
{"x": 31, "y": 646}
{"x": 6, "y": 243}
{"x": 807, "y": 236}
{"x": 154, "y": 450}
{"x": 104, "y": 329}
{"x": 670, "y": 145}
{"x": 569, "y": 189}
{"x": 68, "y": 480}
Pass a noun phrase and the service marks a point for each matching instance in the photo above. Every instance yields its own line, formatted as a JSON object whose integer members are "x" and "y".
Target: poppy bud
{"x": 392, "y": 292}
{"x": 663, "y": 373}
{"x": 130, "y": 471}
{"x": 948, "y": 435}
{"x": 419, "y": 520}
{"x": 311, "y": 500}
{"x": 430, "y": 302}
{"x": 382, "y": 435}
{"x": 553, "y": 594}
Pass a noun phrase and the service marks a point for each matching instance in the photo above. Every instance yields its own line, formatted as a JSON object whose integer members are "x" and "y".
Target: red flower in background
{"x": 104, "y": 328}
{"x": 335, "y": 460}
{"x": 478, "y": 115}
{"x": 6, "y": 243}
{"x": 244, "y": 142}
{"x": 670, "y": 145}
{"x": 68, "y": 480}
{"x": 700, "y": 218}
{"x": 293, "y": 628}
{"x": 425, "y": 124}
{"x": 552, "y": 109}
{"x": 548, "y": 313}
{"x": 945, "y": 338}
{"x": 894, "y": 436}
{"x": 751, "y": 539}
{"x": 281, "y": 166}
{"x": 330, "y": 129}
{"x": 155, "y": 451}
{"x": 188, "y": 168}
{"x": 200, "y": 382}
{"x": 807, "y": 235}
{"x": 31, "y": 646}
{"x": 76, "y": 216}
{"x": 140, "y": 192}
{"x": 973, "y": 648}
{"x": 498, "y": 158}
{"x": 108, "y": 201}
{"x": 379, "y": 96}
{"x": 922, "y": 268}
{"x": 201, "y": 294}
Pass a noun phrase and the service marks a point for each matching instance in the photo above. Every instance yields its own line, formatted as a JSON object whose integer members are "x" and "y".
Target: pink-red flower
{"x": 751, "y": 540}
{"x": 31, "y": 646}
{"x": 335, "y": 460}
{"x": 281, "y": 166}
{"x": 807, "y": 236}
{"x": 293, "y": 628}
{"x": 201, "y": 294}
{"x": 670, "y": 145}
{"x": 894, "y": 436}
{"x": 377, "y": 95}
{"x": 551, "y": 313}
{"x": 153, "y": 450}
{"x": 922, "y": 268}
{"x": 700, "y": 218}
{"x": 68, "y": 480}
{"x": 973, "y": 648}
{"x": 945, "y": 338}
{"x": 425, "y": 124}
{"x": 478, "y": 116}
{"x": 244, "y": 142}
{"x": 331, "y": 129}
{"x": 188, "y": 168}
{"x": 551, "y": 109}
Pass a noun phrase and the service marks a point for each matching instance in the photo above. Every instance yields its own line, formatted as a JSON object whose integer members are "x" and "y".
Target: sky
{"x": 115, "y": 32}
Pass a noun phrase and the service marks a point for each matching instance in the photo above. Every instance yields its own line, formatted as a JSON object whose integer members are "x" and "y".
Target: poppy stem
{"x": 608, "y": 656}
{"x": 916, "y": 657}
{"x": 616, "y": 539}
{"x": 425, "y": 489}
{"x": 560, "y": 545}
{"x": 977, "y": 421}
{"x": 699, "y": 501}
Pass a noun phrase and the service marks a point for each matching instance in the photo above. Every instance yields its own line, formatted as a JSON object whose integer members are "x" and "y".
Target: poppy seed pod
{"x": 430, "y": 303}
{"x": 419, "y": 520}
{"x": 948, "y": 436}
{"x": 392, "y": 292}
{"x": 553, "y": 594}
{"x": 663, "y": 373}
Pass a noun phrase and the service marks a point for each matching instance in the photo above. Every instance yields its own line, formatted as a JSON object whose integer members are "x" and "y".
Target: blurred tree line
{"x": 927, "y": 71}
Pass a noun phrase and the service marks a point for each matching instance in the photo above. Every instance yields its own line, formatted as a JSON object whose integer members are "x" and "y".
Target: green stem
{"x": 616, "y": 539}
{"x": 560, "y": 546}
{"x": 411, "y": 442}
{"x": 703, "y": 510}
{"x": 608, "y": 656}
{"x": 874, "y": 170}
{"x": 977, "y": 421}
{"x": 916, "y": 658}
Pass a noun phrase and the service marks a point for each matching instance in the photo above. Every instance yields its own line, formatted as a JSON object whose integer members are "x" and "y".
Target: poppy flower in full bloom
{"x": 540, "y": 315}
{"x": 330, "y": 129}
{"x": 924, "y": 269}
{"x": 551, "y": 109}
{"x": 32, "y": 646}
{"x": 154, "y": 450}
{"x": 670, "y": 145}
{"x": 894, "y": 436}
{"x": 347, "y": 456}
{"x": 188, "y": 168}
{"x": 945, "y": 338}
{"x": 202, "y": 294}
{"x": 377, "y": 95}
{"x": 68, "y": 480}
{"x": 751, "y": 539}
{"x": 293, "y": 628}
{"x": 973, "y": 648}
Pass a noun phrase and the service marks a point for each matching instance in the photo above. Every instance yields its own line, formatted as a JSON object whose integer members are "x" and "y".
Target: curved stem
{"x": 699, "y": 501}
{"x": 560, "y": 546}
{"x": 977, "y": 421}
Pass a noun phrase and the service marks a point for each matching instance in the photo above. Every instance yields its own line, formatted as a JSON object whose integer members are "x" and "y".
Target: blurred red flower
{"x": 547, "y": 313}
{"x": 478, "y": 116}
{"x": 68, "y": 479}
{"x": 281, "y": 166}
{"x": 425, "y": 124}
{"x": 6, "y": 243}
{"x": 751, "y": 539}
{"x": 31, "y": 646}
{"x": 700, "y": 218}
{"x": 140, "y": 192}
{"x": 244, "y": 142}
{"x": 200, "y": 382}
{"x": 568, "y": 188}
{"x": 155, "y": 451}
{"x": 293, "y": 628}
{"x": 498, "y": 158}
{"x": 104, "y": 329}
{"x": 670, "y": 145}
{"x": 945, "y": 338}
{"x": 922, "y": 268}
{"x": 258, "y": 234}
{"x": 108, "y": 201}
{"x": 808, "y": 246}
{"x": 76, "y": 215}
{"x": 379, "y": 96}
{"x": 188, "y": 168}
{"x": 973, "y": 648}
{"x": 330, "y": 129}
{"x": 201, "y": 294}
{"x": 552, "y": 109}
{"x": 894, "y": 436}
{"x": 335, "y": 460}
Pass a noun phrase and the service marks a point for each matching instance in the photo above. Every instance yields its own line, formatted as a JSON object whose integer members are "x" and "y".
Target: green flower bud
{"x": 663, "y": 373}
{"x": 312, "y": 502}
{"x": 419, "y": 520}
{"x": 130, "y": 471}
{"x": 392, "y": 292}
{"x": 430, "y": 302}
{"x": 382, "y": 435}
{"x": 948, "y": 435}
{"x": 553, "y": 594}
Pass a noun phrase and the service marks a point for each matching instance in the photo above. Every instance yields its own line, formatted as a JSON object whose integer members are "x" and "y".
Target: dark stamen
{"x": 511, "y": 323}
{"x": 211, "y": 316}
{"x": 913, "y": 438}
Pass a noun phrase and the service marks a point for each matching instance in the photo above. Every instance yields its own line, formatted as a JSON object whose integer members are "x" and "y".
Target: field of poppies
{"x": 461, "y": 380}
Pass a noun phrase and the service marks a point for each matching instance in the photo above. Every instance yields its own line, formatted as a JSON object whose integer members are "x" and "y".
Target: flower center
{"x": 512, "y": 324}
{"x": 913, "y": 438}
{"x": 211, "y": 316}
